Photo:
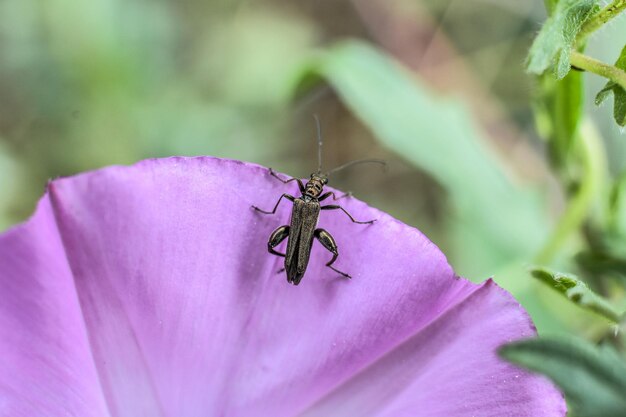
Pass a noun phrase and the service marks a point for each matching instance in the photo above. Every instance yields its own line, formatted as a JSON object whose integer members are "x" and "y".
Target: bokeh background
{"x": 435, "y": 87}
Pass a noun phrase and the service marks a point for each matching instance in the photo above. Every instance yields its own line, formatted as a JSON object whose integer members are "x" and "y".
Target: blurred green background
{"x": 435, "y": 87}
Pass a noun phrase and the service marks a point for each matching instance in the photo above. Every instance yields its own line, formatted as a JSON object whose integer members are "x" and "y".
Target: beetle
{"x": 304, "y": 217}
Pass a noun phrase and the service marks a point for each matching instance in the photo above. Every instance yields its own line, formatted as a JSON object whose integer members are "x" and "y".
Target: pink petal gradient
{"x": 148, "y": 291}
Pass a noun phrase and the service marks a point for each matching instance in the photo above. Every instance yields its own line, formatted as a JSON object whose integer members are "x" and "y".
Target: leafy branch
{"x": 599, "y": 19}
{"x": 618, "y": 88}
{"x": 578, "y": 292}
{"x": 591, "y": 377}
{"x": 561, "y": 41}
{"x": 605, "y": 70}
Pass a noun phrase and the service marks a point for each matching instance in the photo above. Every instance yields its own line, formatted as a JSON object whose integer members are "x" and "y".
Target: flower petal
{"x": 451, "y": 369}
{"x": 186, "y": 316}
{"x": 46, "y": 366}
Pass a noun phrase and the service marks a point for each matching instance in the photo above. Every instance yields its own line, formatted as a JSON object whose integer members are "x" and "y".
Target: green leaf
{"x": 592, "y": 378}
{"x": 568, "y": 109}
{"x": 578, "y": 292}
{"x": 558, "y": 111}
{"x": 619, "y": 94}
{"x": 550, "y": 5}
{"x": 556, "y": 39}
{"x": 439, "y": 137}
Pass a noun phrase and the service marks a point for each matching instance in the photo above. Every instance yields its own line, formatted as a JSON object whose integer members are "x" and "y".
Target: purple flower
{"x": 148, "y": 291}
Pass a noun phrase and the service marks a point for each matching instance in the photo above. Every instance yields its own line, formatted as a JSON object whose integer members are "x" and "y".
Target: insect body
{"x": 304, "y": 216}
{"x": 302, "y": 228}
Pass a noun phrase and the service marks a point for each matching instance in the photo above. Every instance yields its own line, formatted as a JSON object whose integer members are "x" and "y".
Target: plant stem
{"x": 608, "y": 71}
{"x": 599, "y": 19}
{"x": 578, "y": 206}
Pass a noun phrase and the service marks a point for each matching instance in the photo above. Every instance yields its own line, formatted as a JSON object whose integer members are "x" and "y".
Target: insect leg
{"x": 329, "y": 243}
{"x": 300, "y": 185}
{"x": 287, "y": 196}
{"x": 335, "y": 198}
{"x": 276, "y": 237}
{"x": 335, "y": 207}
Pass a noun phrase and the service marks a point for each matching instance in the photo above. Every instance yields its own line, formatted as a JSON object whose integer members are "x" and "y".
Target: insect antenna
{"x": 319, "y": 143}
{"x": 346, "y": 165}
{"x": 358, "y": 161}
